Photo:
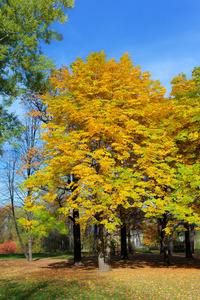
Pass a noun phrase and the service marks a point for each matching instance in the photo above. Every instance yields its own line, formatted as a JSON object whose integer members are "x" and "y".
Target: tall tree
{"x": 186, "y": 96}
{"x": 30, "y": 157}
{"x": 11, "y": 167}
{"x": 25, "y": 154}
{"x": 103, "y": 130}
{"x": 23, "y": 25}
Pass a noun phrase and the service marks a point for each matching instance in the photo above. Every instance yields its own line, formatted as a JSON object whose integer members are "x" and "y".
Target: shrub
{"x": 8, "y": 248}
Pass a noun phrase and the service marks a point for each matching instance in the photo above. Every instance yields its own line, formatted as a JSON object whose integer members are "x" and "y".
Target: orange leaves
{"x": 59, "y": 78}
{"x": 32, "y": 159}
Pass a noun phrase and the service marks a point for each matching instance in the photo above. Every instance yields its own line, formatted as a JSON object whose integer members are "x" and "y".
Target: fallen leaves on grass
{"x": 142, "y": 277}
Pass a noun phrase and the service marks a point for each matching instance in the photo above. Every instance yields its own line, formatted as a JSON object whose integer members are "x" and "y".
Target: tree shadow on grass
{"x": 61, "y": 265}
{"x": 12, "y": 289}
{"x": 157, "y": 261}
{"x": 134, "y": 262}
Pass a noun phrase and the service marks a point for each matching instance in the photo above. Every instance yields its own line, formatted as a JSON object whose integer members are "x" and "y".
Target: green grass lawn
{"x": 60, "y": 289}
{"x": 35, "y": 255}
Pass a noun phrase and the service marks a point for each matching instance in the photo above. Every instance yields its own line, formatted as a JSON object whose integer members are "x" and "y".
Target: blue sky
{"x": 162, "y": 36}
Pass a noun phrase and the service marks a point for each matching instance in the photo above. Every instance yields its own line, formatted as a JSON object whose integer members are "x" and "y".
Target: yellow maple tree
{"x": 103, "y": 130}
{"x": 108, "y": 143}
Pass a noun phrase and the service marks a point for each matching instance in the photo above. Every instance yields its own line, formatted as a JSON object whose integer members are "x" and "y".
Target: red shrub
{"x": 8, "y": 248}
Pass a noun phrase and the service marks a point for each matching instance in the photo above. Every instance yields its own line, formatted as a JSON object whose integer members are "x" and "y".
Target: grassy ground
{"x": 141, "y": 277}
{"x": 35, "y": 255}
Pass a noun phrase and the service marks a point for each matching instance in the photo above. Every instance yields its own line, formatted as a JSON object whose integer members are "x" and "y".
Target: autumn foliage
{"x": 8, "y": 248}
{"x": 113, "y": 140}
{"x": 103, "y": 130}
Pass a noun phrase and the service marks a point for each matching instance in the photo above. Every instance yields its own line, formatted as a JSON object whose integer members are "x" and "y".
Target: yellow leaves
{"x": 137, "y": 149}
{"x": 50, "y": 197}
{"x": 167, "y": 230}
{"x": 113, "y": 131}
{"x": 150, "y": 211}
{"x": 194, "y": 136}
{"x": 59, "y": 78}
{"x": 29, "y": 225}
{"x": 110, "y": 226}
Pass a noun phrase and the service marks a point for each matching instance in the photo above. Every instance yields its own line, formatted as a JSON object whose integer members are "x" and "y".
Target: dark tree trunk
{"x": 166, "y": 251}
{"x": 124, "y": 254}
{"x": 171, "y": 243}
{"x": 104, "y": 255}
{"x": 70, "y": 235}
{"x": 77, "y": 239}
{"x": 188, "y": 252}
{"x": 192, "y": 238}
{"x": 161, "y": 235}
{"x": 163, "y": 239}
{"x": 95, "y": 238}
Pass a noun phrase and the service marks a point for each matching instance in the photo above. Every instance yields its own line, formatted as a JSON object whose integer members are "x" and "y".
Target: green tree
{"x": 24, "y": 25}
{"x": 10, "y": 126}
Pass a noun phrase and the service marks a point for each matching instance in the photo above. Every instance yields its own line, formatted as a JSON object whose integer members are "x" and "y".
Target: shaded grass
{"x": 85, "y": 255}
